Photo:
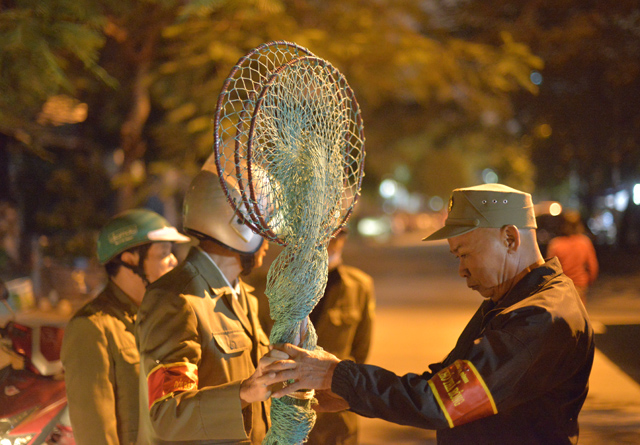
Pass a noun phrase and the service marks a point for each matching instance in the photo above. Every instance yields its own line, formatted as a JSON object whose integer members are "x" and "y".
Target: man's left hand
{"x": 259, "y": 385}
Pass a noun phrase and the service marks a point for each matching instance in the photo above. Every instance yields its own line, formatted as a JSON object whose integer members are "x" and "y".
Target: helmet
{"x": 133, "y": 228}
{"x": 207, "y": 212}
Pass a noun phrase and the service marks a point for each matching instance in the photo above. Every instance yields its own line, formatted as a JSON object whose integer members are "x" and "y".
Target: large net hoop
{"x": 289, "y": 137}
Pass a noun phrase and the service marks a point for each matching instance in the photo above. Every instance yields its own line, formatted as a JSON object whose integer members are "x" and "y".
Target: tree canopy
{"x": 147, "y": 75}
{"x": 585, "y": 122}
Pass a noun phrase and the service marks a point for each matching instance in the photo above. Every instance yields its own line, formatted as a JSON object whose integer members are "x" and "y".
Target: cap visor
{"x": 168, "y": 234}
{"x": 449, "y": 232}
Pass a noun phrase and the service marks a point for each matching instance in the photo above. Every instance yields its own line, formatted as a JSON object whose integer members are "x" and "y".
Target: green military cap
{"x": 487, "y": 205}
{"x": 133, "y": 228}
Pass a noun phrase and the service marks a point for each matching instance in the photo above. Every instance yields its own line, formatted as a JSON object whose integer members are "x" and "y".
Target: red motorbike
{"x": 33, "y": 403}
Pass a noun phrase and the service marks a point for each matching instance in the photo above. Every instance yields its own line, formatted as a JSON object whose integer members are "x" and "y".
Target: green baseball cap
{"x": 487, "y": 205}
{"x": 133, "y": 228}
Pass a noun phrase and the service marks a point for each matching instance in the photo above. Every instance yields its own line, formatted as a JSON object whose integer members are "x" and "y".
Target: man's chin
{"x": 485, "y": 293}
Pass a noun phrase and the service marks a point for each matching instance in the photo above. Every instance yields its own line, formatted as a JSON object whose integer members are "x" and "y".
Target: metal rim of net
{"x": 265, "y": 57}
{"x": 343, "y": 88}
{"x": 260, "y": 55}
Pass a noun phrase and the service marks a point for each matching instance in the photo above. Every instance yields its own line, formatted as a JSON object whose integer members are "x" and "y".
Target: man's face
{"x": 159, "y": 260}
{"x": 484, "y": 262}
{"x": 260, "y": 254}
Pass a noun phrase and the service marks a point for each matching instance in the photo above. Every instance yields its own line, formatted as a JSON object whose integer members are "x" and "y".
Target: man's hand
{"x": 309, "y": 369}
{"x": 329, "y": 402}
{"x": 257, "y": 388}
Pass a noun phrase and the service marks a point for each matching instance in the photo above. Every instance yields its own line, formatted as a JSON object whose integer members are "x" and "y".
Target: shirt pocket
{"x": 344, "y": 316}
{"x": 232, "y": 343}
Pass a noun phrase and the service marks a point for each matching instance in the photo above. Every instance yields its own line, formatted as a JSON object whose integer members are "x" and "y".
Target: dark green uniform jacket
{"x": 197, "y": 343}
{"x": 101, "y": 370}
{"x": 518, "y": 374}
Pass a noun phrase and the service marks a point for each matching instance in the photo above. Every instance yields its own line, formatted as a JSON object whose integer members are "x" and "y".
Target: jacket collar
{"x": 121, "y": 299}
{"x": 531, "y": 282}
{"x": 217, "y": 282}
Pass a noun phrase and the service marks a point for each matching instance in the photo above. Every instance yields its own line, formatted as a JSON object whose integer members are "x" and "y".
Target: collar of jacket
{"x": 532, "y": 281}
{"x": 211, "y": 273}
{"x": 121, "y": 299}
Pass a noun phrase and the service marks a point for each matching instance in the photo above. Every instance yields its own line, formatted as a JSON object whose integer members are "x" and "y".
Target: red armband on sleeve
{"x": 462, "y": 394}
{"x": 165, "y": 380}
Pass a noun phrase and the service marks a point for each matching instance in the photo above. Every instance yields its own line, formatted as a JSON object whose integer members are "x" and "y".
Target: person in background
{"x": 519, "y": 372}
{"x": 99, "y": 353}
{"x": 198, "y": 333}
{"x": 343, "y": 319}
{"x": 576, "y": 253}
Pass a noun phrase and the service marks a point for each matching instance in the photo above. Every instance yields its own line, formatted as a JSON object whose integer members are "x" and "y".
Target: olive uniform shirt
{"x": 101, "y": 365}
{"x": 343, "y": 320}
{"x": 197, "y": 342}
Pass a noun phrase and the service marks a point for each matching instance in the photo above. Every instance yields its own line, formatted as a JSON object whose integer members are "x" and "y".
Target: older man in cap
{"x": 520, "y": 369}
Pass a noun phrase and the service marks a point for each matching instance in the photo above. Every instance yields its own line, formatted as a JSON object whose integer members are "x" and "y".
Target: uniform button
{"x": 233, "y": 344}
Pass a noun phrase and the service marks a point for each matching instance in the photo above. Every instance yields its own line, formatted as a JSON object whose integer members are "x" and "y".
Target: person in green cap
{"x": 519, "y": 372}
{"x": 99, "y": 353}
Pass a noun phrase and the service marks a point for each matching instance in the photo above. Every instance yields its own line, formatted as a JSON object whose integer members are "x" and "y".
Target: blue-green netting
{"x": 289, "y": 137}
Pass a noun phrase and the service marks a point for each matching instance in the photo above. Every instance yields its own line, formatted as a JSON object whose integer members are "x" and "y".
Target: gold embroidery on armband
{"x": 165, "y": 380}
{"x": 462, "y": 394}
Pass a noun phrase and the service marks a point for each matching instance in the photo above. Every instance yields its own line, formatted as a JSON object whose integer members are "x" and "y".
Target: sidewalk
{"x": 611, "y": 414}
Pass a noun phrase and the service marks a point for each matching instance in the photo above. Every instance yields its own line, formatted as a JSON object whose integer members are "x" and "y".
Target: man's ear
{"x": 511, "y": 237}
{"x": 130, "y": 258}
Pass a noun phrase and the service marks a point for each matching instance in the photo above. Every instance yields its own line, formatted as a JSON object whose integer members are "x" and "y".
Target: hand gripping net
{"x": 289, "y": 137}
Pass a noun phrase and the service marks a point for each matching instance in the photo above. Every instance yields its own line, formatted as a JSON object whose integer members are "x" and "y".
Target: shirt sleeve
{"x": 592, "y": 261}
{"x": 504, "y": 368}
{"x": 372, "y": 391}
{"x": 89, "y": 384}
{"x": 170, "y": 351}
{"x": 551, "y": 248}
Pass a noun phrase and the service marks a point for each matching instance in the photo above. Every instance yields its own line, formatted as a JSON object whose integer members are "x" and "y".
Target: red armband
{"x": 165, "y": 380}
{"x": 462, "y": 394}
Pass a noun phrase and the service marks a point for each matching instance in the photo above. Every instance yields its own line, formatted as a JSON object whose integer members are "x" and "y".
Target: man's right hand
{"x": 308, "y": 369}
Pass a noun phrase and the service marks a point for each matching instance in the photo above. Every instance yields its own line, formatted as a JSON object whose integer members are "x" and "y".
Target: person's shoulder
{"x": 90, "y": 320}
{"x": 95, "y": 308}
{"x": 167, "y": 293}
{"x": 585, "y": 239}
{"x": 176, "y": 279}
{"x": 354, "y": 274}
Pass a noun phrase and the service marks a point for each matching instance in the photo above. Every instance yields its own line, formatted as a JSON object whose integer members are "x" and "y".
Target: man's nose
{"x": 173, "y": 261}
{"x": 463, "y": 271}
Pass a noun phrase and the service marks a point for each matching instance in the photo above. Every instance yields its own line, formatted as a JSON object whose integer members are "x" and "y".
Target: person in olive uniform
{"x": 343, "y": 319}
{"x": 198, "y": 333}
{"x": 98, "y": 351}
{"x": 519, "y": 372}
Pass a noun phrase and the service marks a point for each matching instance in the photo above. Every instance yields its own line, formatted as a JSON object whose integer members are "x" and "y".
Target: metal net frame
{"x": 288, "y": 135}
